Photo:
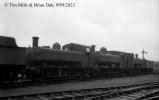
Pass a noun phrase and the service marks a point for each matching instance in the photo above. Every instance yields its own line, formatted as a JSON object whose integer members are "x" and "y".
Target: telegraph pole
{"x": 143, "y": 52}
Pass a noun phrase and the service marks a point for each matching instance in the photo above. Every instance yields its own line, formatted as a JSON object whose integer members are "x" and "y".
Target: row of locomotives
{"x": 56, "y": 63}
{"x": 12, "y": 60}
{"x": 71, "y": 61}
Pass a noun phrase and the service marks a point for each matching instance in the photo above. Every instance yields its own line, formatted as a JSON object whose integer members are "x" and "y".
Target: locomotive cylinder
{"x": 35, "y": 41}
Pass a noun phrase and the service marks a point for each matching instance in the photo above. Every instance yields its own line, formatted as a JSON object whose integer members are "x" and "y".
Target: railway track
{"x": 146, "y": 91}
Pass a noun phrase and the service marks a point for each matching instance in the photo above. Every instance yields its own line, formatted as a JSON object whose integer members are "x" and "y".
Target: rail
{"x": 89, "y": 94}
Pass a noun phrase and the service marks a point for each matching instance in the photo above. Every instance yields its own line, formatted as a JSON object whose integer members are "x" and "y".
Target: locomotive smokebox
{"x": 35, "y": 41}
{"x": 93, "y": 48}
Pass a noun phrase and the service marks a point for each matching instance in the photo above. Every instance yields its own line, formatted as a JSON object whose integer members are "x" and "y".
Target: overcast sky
{"x": 121, "y": 25}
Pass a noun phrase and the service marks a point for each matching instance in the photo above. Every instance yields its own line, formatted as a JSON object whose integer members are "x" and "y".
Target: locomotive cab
{"x": 12, "y": 59}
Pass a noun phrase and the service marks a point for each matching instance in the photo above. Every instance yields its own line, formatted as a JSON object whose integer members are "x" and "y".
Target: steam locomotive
{"x": 69, "y": 61}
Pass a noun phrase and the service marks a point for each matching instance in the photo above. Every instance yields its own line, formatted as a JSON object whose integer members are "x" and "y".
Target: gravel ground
{"x": 80, "y": 85}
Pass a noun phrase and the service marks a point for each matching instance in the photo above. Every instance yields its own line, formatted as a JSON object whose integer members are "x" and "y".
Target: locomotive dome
{"x": 103, "y": 50}
{"x": 56, "y": 46}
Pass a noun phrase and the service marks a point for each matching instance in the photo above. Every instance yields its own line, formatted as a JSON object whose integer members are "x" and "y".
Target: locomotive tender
{"x": 72, "y": 61}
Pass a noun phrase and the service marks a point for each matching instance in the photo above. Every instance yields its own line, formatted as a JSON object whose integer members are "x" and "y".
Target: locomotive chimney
{"x": 35, "y": 41}
{"x": 92, "y": 48}
{"x": 136, "y": 55}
